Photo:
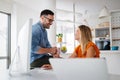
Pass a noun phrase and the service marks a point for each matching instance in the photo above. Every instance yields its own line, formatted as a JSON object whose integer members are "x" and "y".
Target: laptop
{"x": 80, "y": 69}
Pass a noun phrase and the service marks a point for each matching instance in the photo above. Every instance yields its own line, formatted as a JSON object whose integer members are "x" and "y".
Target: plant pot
{"x": 59, "y": 39}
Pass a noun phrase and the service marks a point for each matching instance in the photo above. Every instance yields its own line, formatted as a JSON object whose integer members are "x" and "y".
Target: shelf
{"x": 115, "y": 39}
{"x": 102, "y": 40}
{"x": 102, "y": 28}
{"x": 102, "y": 37}
{"x": 116, "y": 27}
{"x": 102, "y": 33}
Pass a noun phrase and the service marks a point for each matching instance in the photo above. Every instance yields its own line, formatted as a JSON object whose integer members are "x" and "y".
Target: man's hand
{"x": 56, "y": 55}
{"x": 53, "y": 50}
{"x": 46, "y": 67}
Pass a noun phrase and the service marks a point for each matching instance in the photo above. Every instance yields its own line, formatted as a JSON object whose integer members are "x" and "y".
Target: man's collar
{"x": 41, "y": 25}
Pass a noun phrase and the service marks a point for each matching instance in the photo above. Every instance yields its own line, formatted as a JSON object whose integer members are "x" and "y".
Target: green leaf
{"x": 59, "y": 35}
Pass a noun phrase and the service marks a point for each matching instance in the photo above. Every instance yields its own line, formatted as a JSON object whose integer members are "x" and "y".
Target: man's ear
{"x": 41, "y": 17}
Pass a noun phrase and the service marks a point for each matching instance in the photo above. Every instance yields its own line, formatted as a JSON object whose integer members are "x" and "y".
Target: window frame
{"x": 8, "y": 57}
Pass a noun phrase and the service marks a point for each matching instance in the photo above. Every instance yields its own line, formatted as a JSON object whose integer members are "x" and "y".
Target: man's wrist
{"x": 50, "y": 51}
{"x": 53, "y": 50}
{"x": 53, "y": 53}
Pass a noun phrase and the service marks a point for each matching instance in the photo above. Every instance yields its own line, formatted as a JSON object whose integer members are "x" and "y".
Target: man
{"x": 40, "y": 44}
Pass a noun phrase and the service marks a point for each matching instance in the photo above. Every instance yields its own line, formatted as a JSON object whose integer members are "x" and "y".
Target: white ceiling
{"x": 93, "y": 6}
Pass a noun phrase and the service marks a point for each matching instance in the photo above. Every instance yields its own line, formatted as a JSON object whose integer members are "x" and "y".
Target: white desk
{"x": 38, "y": 74}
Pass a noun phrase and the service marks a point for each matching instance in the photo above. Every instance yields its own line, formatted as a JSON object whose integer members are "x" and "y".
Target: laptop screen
{"x": 80, "y": 69}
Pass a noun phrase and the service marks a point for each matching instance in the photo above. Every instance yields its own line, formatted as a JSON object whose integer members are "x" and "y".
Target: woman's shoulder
{"x": 90, "y": 43}
{"x": 93, "y": 45}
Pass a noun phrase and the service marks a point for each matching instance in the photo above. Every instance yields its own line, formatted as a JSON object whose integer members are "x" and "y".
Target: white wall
{"x": 5, "y": 6}
{"x": 64, "y": 5}
{"x": 23, "y": 13}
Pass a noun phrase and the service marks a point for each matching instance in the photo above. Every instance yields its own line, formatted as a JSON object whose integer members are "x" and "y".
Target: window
{"x": 66, "y": 23}
{"x": 5, "y": 40}
{"x": 67, "y": 29}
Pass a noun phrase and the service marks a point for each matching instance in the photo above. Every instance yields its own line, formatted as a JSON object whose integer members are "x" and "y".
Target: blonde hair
{"x": 86, "y": 36}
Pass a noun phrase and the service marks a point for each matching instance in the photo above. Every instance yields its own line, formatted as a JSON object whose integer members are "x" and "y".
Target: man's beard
{"x": 46, "y": 27}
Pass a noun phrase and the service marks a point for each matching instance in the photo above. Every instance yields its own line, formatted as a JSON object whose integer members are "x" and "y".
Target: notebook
{"x": 80, "y": 69}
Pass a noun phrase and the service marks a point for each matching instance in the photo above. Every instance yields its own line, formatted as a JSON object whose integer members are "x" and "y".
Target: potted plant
{"x": 59, "y": 37}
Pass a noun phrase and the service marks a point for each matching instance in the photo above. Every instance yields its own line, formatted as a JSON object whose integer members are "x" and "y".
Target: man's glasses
{"x": 50, "y": 20}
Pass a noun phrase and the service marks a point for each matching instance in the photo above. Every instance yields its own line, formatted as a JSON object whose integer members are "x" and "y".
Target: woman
{"x": 86, "y": 48}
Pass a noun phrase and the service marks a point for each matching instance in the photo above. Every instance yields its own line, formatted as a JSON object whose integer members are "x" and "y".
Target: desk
{"x": 35, "y": 74}
{"x": 38, "y": 74}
